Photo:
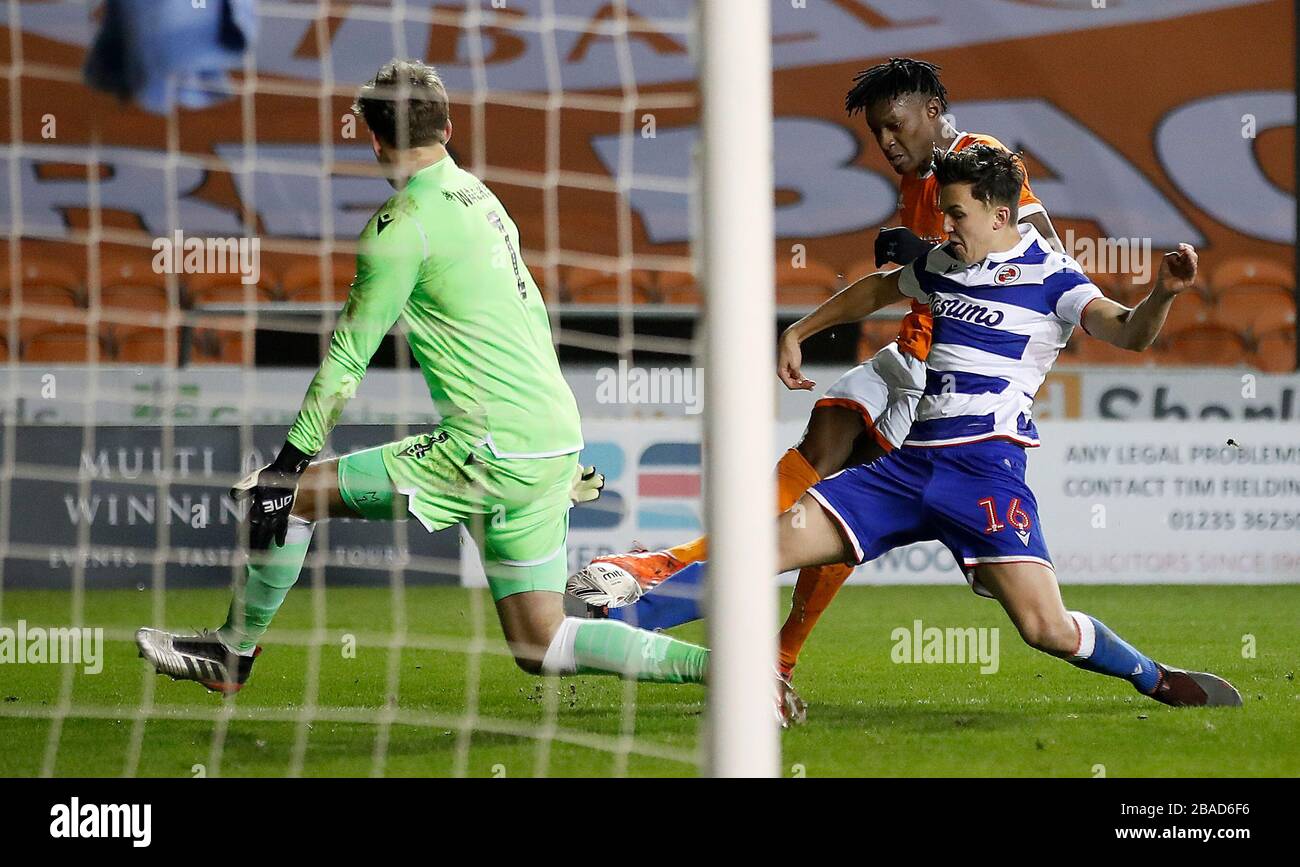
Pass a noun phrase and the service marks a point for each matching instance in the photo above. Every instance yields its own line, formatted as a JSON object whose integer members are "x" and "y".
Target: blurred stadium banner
{"x": 125, "y": 395}
{"x": 1212, "y": 502}
{"x": 1110, "y": 156}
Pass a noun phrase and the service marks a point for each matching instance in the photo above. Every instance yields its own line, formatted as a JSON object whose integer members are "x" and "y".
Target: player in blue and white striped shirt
{"x": 1004, "y": 305}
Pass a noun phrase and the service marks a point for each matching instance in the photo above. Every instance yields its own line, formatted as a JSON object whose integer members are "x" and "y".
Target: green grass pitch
{"x": 869, "y": 716}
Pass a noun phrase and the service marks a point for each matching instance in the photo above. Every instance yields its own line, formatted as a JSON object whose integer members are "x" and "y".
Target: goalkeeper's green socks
{"x": 579, "y": 646}
{"x": 610, "y": 647}
{"x": 270, "y": 575}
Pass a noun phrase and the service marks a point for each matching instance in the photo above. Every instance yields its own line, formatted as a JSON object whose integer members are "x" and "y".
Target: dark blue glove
{"x": 899, "y": 245}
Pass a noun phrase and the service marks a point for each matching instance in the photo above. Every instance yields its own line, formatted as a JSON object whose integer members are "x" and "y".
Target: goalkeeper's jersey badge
{"x": 423, "y": 445}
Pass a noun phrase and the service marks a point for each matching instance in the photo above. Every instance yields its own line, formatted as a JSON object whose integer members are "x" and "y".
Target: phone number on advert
{"x": 1212, "y": 520}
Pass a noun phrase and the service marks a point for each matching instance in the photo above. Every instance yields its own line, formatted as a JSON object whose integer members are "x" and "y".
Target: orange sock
{"x": 794, "y": 476}
{"x": 816, "y": 587}
{"x": 693, "y": 551}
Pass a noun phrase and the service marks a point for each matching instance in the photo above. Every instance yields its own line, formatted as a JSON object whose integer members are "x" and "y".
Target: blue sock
{"x": 674, "y": 602}
{"x": 1104, "y": 652}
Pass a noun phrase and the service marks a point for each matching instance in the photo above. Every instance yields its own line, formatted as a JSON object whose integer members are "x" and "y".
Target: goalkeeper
{"x": 443, "y": 256}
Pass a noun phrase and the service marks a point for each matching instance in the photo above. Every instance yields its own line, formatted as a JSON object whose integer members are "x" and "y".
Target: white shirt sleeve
{"x": 1072, "y": 302}
{"x": 909, "y": 285}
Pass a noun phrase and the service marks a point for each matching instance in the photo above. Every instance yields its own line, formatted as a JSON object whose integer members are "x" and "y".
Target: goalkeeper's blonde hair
{"x": 405, "y": 105}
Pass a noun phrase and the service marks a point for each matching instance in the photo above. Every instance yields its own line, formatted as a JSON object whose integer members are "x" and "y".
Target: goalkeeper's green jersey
{"x": 443, "y": 255}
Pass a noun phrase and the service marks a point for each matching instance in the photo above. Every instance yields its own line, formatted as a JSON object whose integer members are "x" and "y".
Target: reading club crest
{"x": 1006, "y": 274}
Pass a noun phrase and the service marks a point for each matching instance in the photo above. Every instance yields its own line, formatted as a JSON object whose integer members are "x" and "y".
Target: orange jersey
{"x": 918, "y": 210}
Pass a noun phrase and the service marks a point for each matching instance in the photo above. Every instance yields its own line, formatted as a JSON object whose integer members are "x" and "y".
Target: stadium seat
{"x": 1275, "y": 351}
{"x": 202, "y": 289}
{"x": 306, "y": 281}
{"x": 1114, "y": 286}
{"x": 127, "y": 282}
{"x": 1244, "y": 271}
{"x": 1189, "y": 309}
{"x": 873, "y": 334}
{"x": 543, "y": 282}
{"x": 143, "y": 345}
{"x": 1205, "y": 343}
{"x": 1109, "y": 283}
{"x": 220, "y": 345}
{"x": 69, "y": 343}
{"x": 859, "y": 269}
{"x": 594, "y": 286}
{"x": 805, "y": 286}
{"x": 42, "y": 283}
{"x": 1252, "y": 311}
{"x": 1092, "y": 351}
{"x": 677, "y": 287}
{"x": 4, "y": 348}
{"x": 1121, "y": 288}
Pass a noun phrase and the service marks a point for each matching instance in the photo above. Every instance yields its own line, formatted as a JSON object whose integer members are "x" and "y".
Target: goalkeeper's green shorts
{"x": 517, "y": 510}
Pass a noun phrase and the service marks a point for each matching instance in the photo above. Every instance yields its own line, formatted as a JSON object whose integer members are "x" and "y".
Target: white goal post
{"x": 736, "y": 178}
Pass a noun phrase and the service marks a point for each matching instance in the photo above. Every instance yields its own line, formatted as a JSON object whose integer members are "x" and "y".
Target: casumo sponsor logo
{"x": 955, "y": 308}
{"x": 74, "y": 820}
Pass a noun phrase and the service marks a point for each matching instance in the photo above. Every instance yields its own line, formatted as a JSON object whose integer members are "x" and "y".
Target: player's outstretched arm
{"x": 393, "y": 250}
{"x": 1138, "y": 327}
{"x": 850, "y": 304}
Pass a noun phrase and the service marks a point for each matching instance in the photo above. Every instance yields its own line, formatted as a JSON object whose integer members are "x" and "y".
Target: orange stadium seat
{"x": 201, "y": 289}
{"x": 1252, "y": 312}
{"x": 1189, "y": 309}
{"x": 873, "y": 334}
{"x": 70, "y": 343}
{"x": 144, "y": 345}
{"x": 1204, "y": 343}
{"x": 1248, "y": 271}
{"x": 595, "y": 286}
{"x": 859, "y": 269}
{"x": 1275, "y": 351}
{"x": 307, "y": 280}
{"x": 1122, "y": 288}
{"x": 806, "y": 286}
{"x": 1109, "y": 283}
{"x": 677, "y": 287}
{"x": 543, "y": 282}
{"x": 1092, "y": 351}
{"x": 41, "y": 282}
{"x": 219, "y": 346}
{"x": 129, "y": 283}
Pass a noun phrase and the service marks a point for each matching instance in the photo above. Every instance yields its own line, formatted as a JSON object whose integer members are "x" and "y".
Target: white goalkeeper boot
{"x": 201, "y": 658}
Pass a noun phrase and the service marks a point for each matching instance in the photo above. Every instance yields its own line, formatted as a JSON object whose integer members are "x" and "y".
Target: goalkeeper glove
{"x": 271, "y": 492}
{"x": 899, "y": 245}
{"x": 587, "y": 485}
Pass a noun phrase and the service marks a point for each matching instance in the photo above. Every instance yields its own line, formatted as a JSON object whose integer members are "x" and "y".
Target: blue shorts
{"x": 971, "y": 497}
